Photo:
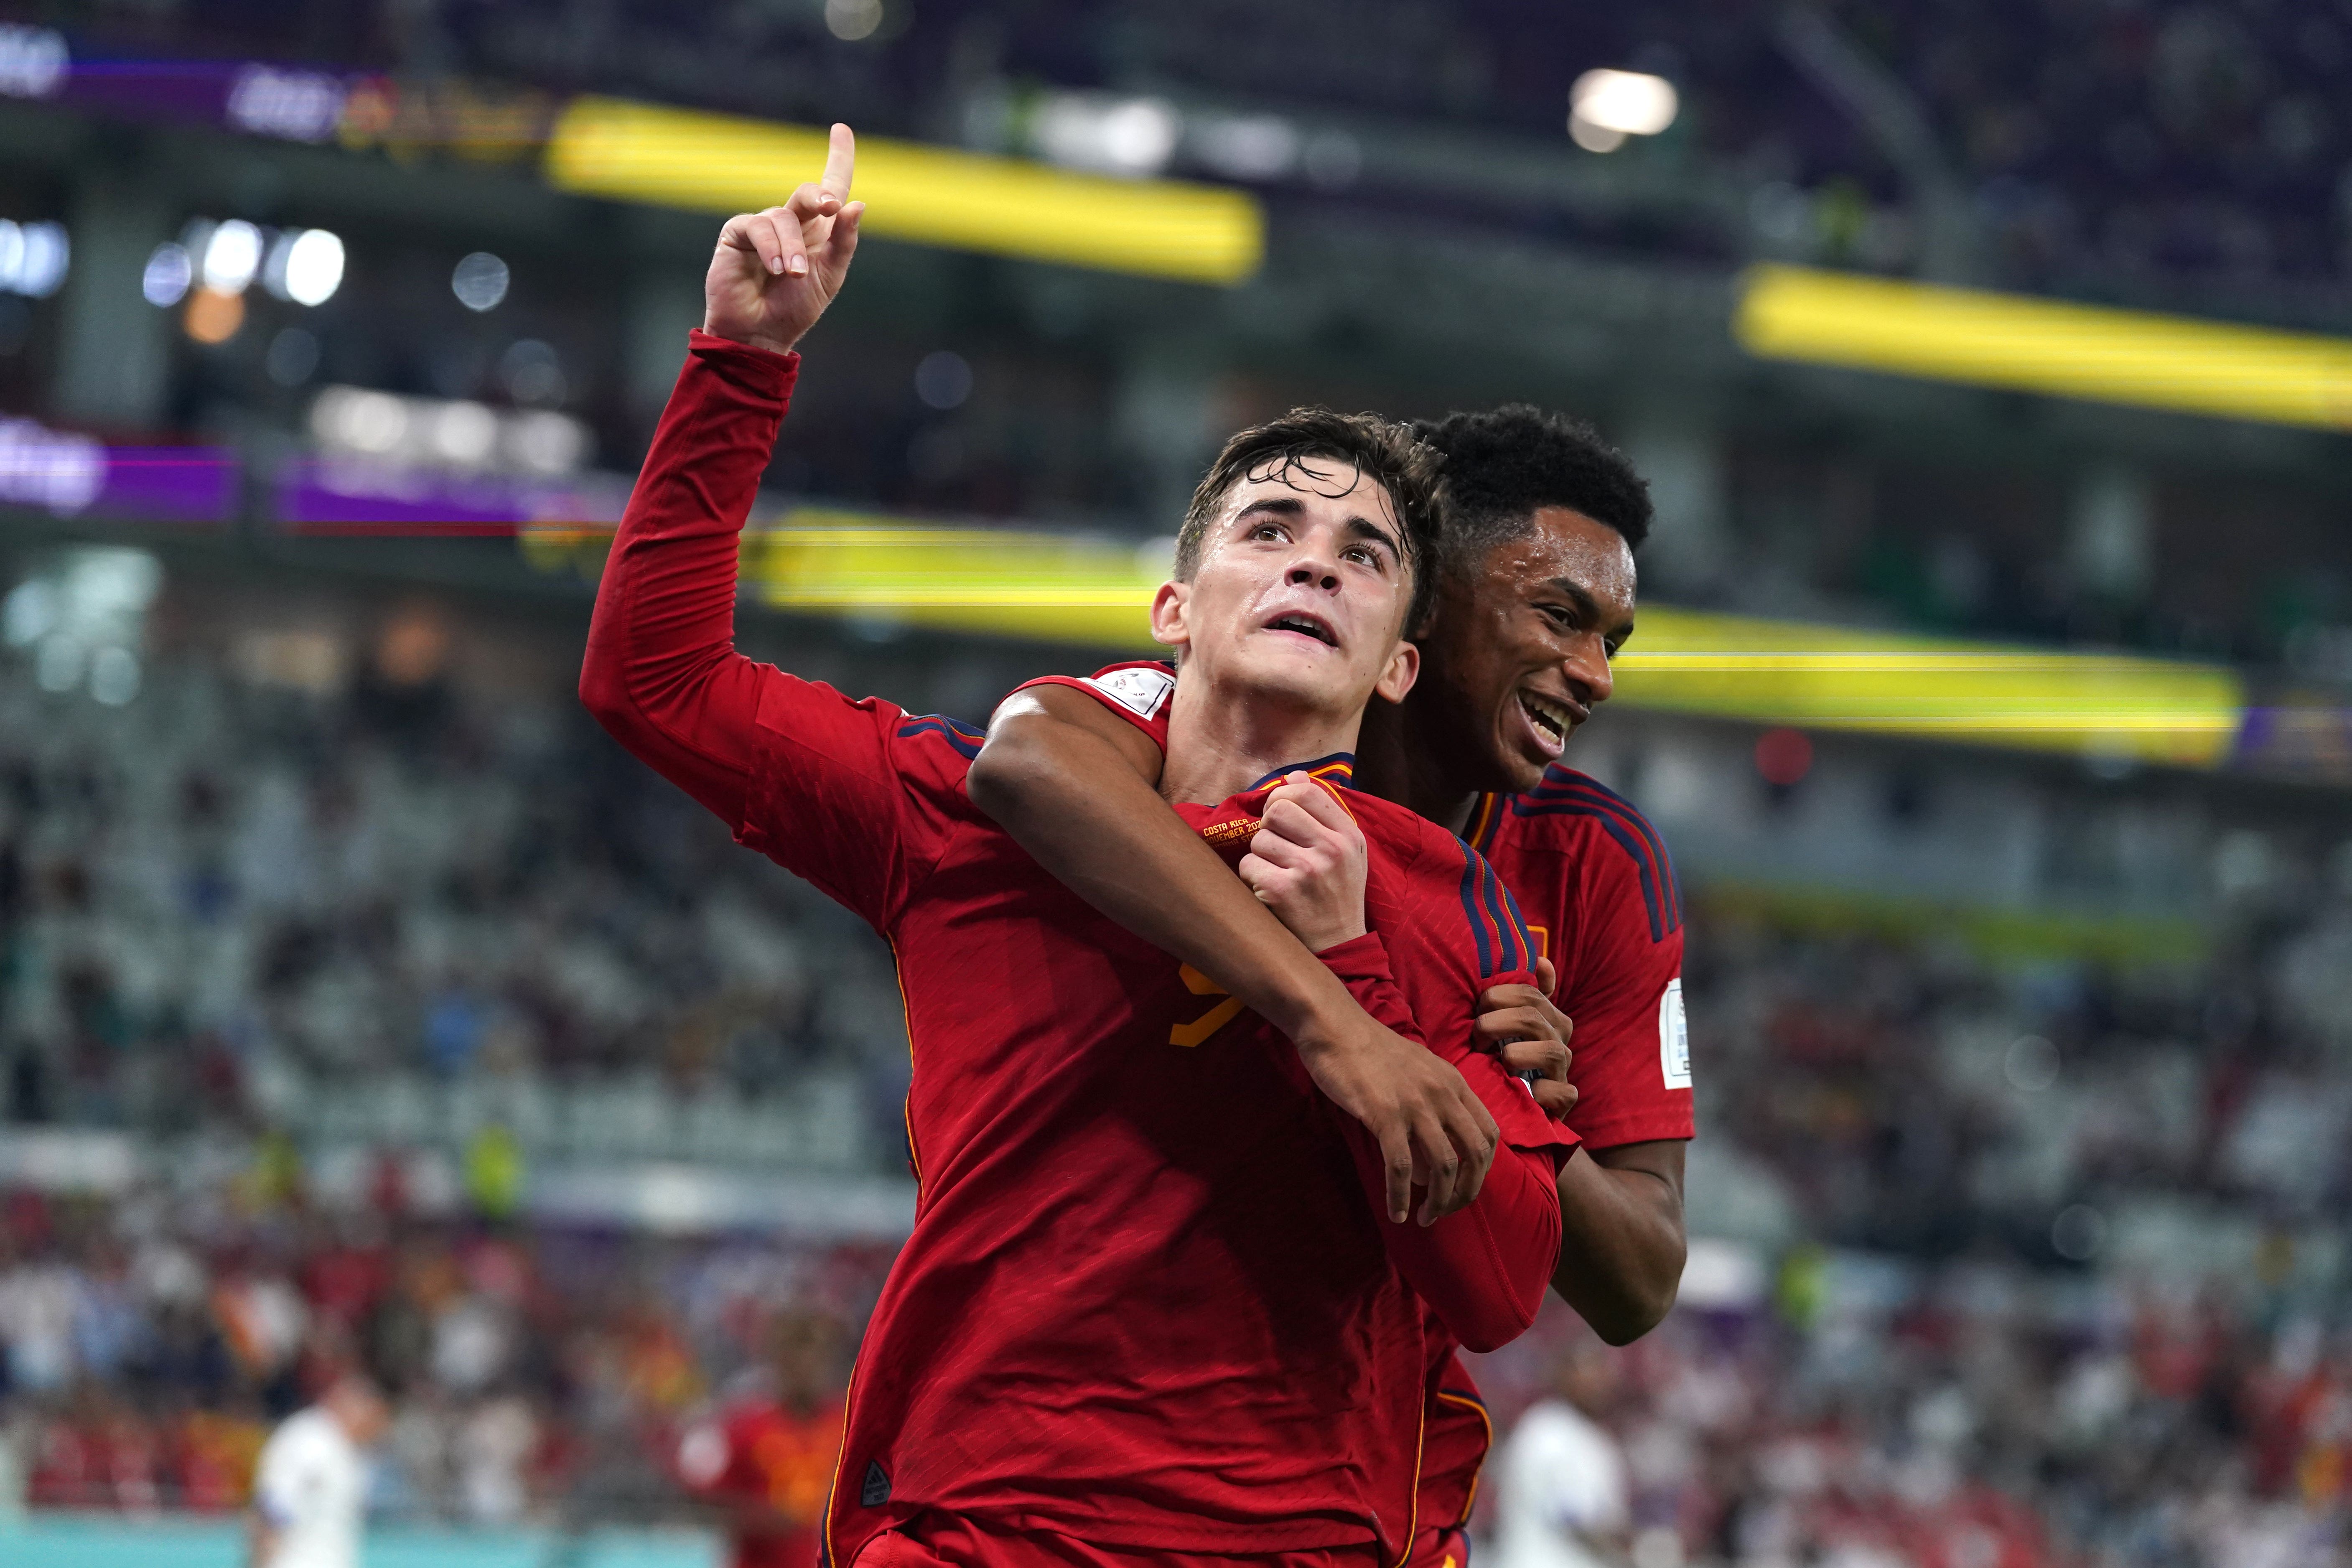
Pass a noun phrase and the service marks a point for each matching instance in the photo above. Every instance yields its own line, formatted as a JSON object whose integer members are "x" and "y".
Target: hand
{"x": 1307, "y": 864}
{"x": 774, "y": 272}
{"x": 1431, "y": 1131}
{"x": 1520, "y": 1025}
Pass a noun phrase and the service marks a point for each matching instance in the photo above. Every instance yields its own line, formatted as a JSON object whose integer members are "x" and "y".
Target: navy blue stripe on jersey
{"x": 1339, "y": 765}
{"x": 1504, "y": 941}
{"x": 1563, "y": 792}
{"x": 962, "y": 737}
{"x": 1511, "y": 951}
{"x": 1470, "y": 912}
{"x": 1598, "y": 793}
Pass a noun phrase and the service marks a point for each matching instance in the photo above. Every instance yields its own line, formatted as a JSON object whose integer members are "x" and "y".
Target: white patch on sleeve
{"x": 1142, "y": 691}
{"x": 1674, "y": 1037}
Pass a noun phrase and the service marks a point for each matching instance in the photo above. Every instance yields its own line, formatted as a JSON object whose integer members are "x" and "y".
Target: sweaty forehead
{"x": 1565, "y": 545}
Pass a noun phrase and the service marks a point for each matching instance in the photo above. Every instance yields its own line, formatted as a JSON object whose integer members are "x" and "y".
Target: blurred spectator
{"x": 764, "y": 1459}
{"x": 1561, "y": 1494}
{"x": 310, "y": 1490}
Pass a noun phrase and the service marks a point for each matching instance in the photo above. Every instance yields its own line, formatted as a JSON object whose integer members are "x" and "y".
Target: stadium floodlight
{"x": 479, "y": 281}
{"x": 169, "y": 272}
{"x": 1131, "y": 136}
{"x": 929, "y": 195}
{"x": 313, "y": 266}
{"x": 2048, "y": 346}
{"x": 232, "y": 257}
{"x": 33, "y": 258}
{"x": 1607, "y": 106}
{"x": 33, "y": 61}
{"x": 851, "y": 20}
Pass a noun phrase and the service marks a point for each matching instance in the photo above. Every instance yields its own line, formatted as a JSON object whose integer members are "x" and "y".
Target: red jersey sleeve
{"x": 857, "y": 797}
{"x": 1623, "y": 986}
{"x": 1483, "y": 1271}
{"x": 1137, "y": 692}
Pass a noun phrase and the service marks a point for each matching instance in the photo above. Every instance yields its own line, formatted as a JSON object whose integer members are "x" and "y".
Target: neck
{"x": 1222, "y": 741}
{"x": 1396, "y": 764}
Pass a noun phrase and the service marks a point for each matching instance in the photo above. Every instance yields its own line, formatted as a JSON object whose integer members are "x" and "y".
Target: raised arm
{"x": 1074, "y": 785}
{"x": 661, "y": 672}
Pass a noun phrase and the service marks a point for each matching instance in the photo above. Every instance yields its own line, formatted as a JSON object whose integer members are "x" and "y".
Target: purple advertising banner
{"x": 353, "y": 495}
{"x": 68, "y": 474}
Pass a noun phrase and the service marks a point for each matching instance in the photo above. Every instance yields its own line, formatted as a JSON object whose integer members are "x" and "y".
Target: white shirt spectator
{"x": 1561, "y": 1489}
{"x": 311, "y": 1489}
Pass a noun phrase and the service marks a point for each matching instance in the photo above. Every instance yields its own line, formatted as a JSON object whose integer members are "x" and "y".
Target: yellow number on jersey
{"x": 1210, "y": 1022}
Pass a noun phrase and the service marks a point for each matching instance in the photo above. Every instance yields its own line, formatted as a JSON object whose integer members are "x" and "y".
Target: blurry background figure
{"x": 310, "y": 1489}
{"x": 764, "y": 1457}
{"x": 1559, "y": 1480}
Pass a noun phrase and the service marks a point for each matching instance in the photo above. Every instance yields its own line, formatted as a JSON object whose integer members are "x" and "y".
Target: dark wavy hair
{"x": 1292, "y": 445}
{"x": 1504, "y": 464}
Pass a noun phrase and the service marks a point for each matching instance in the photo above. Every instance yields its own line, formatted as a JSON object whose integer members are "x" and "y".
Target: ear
{"x": 1167, "y": 610}
{"x": 1404, "y": 668}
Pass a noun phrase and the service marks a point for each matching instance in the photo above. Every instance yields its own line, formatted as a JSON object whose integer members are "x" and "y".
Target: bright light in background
{"x": 169, "y": 273}
{"x": 54, "y": 468}
{"x": 1245, "y": 147}
{"x": 298, "y": 105}
{"x": 850, "y": 20}
{"x": 1133, "y": 136}
{"x": 434, "y": 432}
{"x": 81, "y": 616}
{"x": 313, "y": 267}
{"x": 33, "y": 258}
{"x": 213, "y": 317}
{"x": 232, "y": 256}
{"x": 479, "y": 281}
{"x": 1607, "y": 106}
{"x": 33, "y": 60}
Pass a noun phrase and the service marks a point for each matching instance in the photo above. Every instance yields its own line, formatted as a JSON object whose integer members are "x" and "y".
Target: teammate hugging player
{"x": 1535, "y": 596}
{"x": 1162, "y": 1302}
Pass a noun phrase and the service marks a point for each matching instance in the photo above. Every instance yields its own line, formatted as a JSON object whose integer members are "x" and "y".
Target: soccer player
{"x": 1161, "y": 1302}
{"x": 1536, "y": 595}
{"x": 309, "y": 1486}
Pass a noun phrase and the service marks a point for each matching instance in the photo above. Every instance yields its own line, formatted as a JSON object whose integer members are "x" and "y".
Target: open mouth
{"x": 1304, "y": 626}
{"x": 1553, "y": 719}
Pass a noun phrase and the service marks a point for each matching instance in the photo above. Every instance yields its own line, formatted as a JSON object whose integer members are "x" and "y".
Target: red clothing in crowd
{"x": 778, "y": 1461}
{"x": 1149, "y": 1302}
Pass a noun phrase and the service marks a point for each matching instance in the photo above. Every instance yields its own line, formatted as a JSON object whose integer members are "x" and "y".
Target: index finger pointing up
{"x": 840, "y": 162}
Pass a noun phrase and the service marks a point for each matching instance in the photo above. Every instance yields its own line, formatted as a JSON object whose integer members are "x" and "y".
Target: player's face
{"x": 1517, "y": 656}
{"x": 1301, "y": 592}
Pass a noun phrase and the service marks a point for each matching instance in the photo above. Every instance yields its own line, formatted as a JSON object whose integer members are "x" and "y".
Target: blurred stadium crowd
{"x": 2114, "y": 144}
{"x": 2045, "y": 1232}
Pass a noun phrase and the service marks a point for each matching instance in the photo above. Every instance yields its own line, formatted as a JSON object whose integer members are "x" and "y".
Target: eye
{"x": 1363, "y": 555}
{"x": 1266, "y": 531}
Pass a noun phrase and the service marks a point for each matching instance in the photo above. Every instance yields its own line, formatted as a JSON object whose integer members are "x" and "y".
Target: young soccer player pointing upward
{"x": 1161, "y": 1303}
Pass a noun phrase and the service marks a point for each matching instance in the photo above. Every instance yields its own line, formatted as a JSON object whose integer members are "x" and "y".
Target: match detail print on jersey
{"x": 1142, "y": 689}
{"x": 1674, "y": 1037}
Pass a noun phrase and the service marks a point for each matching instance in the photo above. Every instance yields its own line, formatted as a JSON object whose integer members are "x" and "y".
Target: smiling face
{"x": 1300, "y": 593}
{"x": 1517, "y": 653}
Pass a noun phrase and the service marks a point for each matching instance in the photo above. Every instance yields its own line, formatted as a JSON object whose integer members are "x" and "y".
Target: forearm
{"x": 1621, "y": 1243}
{"x": 1080, "y": 808}
{"x": 661, "y": 672}
{"x": 1481, "y": 1270}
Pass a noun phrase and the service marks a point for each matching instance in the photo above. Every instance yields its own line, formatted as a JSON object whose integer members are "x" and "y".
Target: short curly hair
{"x": 1502, "y": 465}
{"x": 1378, "y": 449}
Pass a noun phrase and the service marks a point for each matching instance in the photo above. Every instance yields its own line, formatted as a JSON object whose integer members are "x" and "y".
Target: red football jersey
{"x": 1150, "y": 1300}
{"x": 1593, "y": 879}
{"x": 756, "y": 1451}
